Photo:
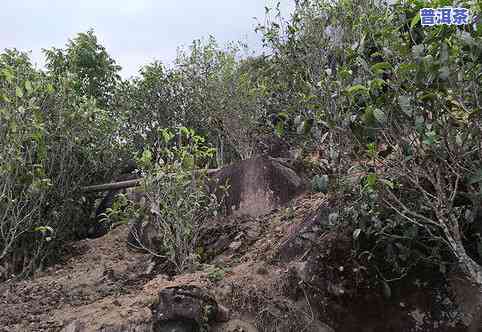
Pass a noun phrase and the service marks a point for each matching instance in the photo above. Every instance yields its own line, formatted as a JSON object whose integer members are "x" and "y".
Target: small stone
{"x": 235, "y": 245}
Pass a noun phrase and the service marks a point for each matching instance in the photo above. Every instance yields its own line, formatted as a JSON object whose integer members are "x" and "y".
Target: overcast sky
{"x": 134, "y": 32}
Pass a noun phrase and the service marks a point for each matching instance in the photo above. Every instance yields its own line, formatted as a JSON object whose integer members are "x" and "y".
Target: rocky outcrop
{"x": 257, "y": 186}
{"x": 254, "y": 187}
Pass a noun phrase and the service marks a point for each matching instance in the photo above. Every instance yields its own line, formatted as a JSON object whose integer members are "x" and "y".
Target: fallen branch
{"x": 130, "y": 183}
{"x": 113, "y": 185}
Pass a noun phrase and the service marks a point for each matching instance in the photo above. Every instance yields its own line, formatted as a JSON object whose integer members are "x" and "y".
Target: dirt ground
{"x": 271, "y": 281}
{"x": 105, "y": 282}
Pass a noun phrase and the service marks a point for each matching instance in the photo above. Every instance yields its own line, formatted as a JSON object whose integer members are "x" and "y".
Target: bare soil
{"x": 282, "y": 272}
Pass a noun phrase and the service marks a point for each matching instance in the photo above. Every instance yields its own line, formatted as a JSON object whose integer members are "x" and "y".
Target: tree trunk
{"x": 220, "y": 152}
{"x": 473, "y": 274}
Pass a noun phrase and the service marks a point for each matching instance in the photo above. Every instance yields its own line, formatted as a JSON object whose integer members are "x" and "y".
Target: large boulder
{"x": 257, "y": 186}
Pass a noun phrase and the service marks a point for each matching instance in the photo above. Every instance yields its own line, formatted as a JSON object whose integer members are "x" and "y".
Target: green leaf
{"x": 388, "y": 183}
{"x": 184, "y": 131}
{"x": 166, "y": 135}
{"x": 8, "y": 74}
{"x": 18, "y": 92}
{"x": 283, "y": 116}
{"x": 188, "y": 162}
{"x": 371, "y": 180}
{"x": 407, "y": 67}
{"x": 377, "y": 83}
{"x": 372, "y": 149}
{"x": 279, "y": 128}
{"x": 356, "y": 89}
{"x": 28, "y": 87}
{"x": 50, "y": 88}
{"x": 146, "y": 156}
{"x": 368, "y": 117}
{"x": 13, "y": 127}
{"x": 381, "y": 67}
{"x": 379, "y": 115}
{"x": 428, "y": 96}
{"x": 415, "y": 20}
{"x": 44, "y": 229}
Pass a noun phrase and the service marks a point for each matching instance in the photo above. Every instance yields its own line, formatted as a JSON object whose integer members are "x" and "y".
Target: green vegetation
{"x": 361, "y": 81}
{"x": 176, "y": 198}
{"x": 371, "y": 79}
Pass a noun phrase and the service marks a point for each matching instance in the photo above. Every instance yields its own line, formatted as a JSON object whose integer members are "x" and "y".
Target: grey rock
{"x": 184, "y": 309}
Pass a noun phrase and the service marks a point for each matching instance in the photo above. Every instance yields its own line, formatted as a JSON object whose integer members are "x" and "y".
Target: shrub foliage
{"x": 359, "y": 81}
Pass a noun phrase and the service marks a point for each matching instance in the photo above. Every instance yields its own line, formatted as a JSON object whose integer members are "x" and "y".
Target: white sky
{"x": 135, "y": 32}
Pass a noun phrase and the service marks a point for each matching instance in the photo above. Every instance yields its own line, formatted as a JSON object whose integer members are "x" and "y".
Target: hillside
{"x": 280, "y": 272}
{"x": 331, "y": 181}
